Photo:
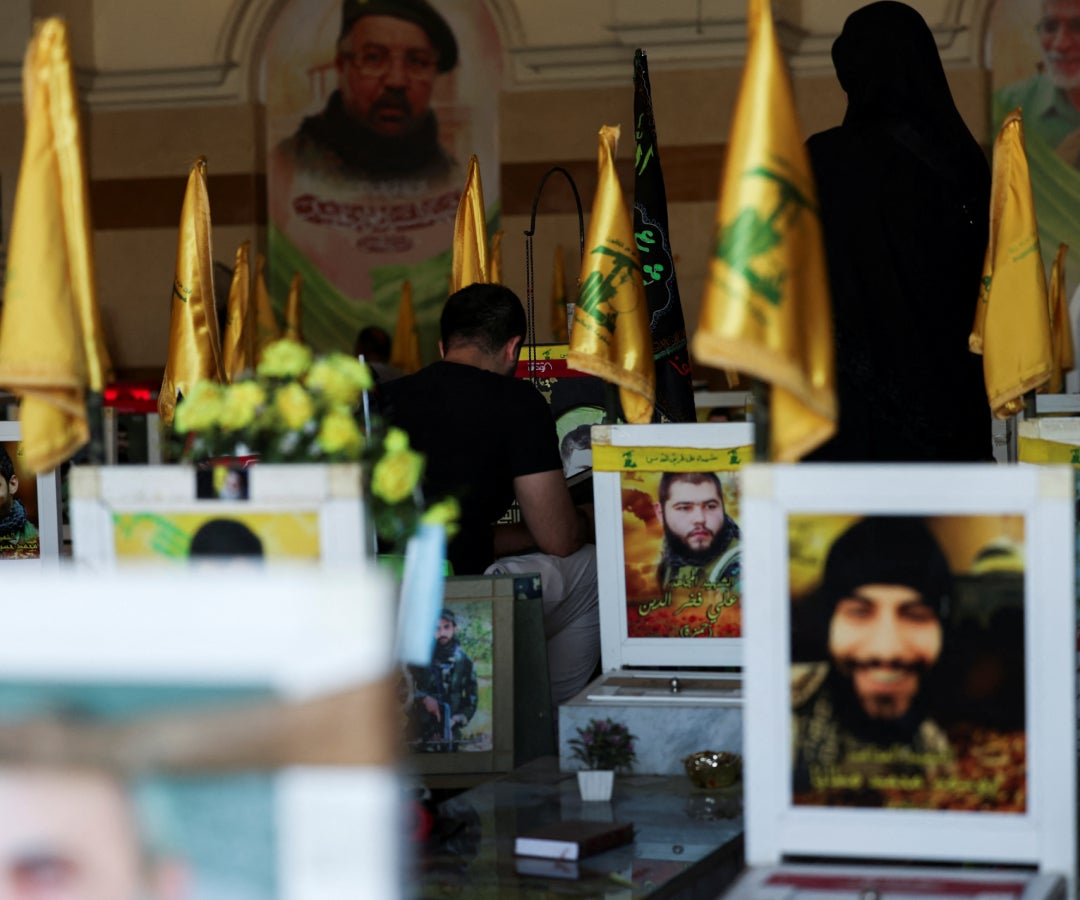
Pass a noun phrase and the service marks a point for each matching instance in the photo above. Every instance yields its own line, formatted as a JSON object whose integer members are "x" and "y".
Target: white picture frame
{"x": 618, "y": 449}
{"x": 50, "y": 521}
{"x": 737, "y": 403}
{"x": 141, "y": 514}
{"x": 297, "y": 634}
{"x": 1044, "y": 833}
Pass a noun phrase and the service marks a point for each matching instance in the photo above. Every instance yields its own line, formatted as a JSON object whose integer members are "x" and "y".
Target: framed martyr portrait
{"x": 577, "y": 401}
{"x": 283, "y": 514}
{"x": 210, "y": 716}
{"x": 668, "y": 541}
{"x": 31, "y": 530}
{"x": 457, "y": 712}
{"x": 910, "y": 663}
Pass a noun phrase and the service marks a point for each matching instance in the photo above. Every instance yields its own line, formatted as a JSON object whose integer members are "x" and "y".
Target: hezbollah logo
{"x": 599, "y": 289}
{"x": 744, "y": 242}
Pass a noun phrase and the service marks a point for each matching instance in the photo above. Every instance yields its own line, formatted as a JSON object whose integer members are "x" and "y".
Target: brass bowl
{"x": 713, "y": 769}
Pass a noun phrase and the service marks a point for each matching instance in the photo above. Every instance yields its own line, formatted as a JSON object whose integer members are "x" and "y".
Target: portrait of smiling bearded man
{"x": 880, "y": 619}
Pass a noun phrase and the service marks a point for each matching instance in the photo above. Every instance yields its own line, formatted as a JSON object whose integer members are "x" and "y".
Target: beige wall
{"x": 163, "y": 83}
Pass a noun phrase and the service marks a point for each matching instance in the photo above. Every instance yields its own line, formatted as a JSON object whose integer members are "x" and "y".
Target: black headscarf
{"x": 887, "y": 62}
{"x": 904, "y": 190}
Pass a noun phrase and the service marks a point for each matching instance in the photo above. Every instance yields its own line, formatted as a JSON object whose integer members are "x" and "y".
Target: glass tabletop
{"x": 685, "y": 839}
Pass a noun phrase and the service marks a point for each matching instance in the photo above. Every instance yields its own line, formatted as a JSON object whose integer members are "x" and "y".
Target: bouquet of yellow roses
{"x": 296, "y": 408}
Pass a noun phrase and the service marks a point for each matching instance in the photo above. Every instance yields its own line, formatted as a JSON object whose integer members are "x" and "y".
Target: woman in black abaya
{"x": 905, "y": 193}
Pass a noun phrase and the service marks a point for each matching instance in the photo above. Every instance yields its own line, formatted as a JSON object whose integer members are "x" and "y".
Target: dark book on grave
{"x": 573, "y": 839}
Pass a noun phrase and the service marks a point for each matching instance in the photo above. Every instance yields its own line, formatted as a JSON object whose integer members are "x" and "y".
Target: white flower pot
{"x": 595, "y": 784}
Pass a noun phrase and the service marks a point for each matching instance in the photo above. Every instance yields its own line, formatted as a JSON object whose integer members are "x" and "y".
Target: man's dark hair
{"x": 374, "y": 344}
{"x": 449, "y": 615}
{"x": 484, "y": 315}
{"x": 225, "y": 537}
{"x": 7, "y": 467}
{"x": 670, "y": 478}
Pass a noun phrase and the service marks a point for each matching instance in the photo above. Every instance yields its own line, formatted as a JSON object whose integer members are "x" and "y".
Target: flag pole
{"x": 759, "y": 392}
{"x": 95, "y": 419}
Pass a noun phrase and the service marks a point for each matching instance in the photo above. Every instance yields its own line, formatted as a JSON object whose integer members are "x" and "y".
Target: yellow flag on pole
{"x": 194, "y": 344}
{"x": 294, "y": 315}
{"x": 470, "y": 251}
{"x": 405, "y": 353}
{"x": 51, "y": 346}
{"x": 559, "y": 325}
{"x": 266, "y": 326}
{"x": 610, "y": 337}
{"x": 766, "y": 310}
{"x": 1060, "y": 327}
{"x": 238, "y": 342}
{"x": 495, "y": 266}
{"x": 1012, "y": 317}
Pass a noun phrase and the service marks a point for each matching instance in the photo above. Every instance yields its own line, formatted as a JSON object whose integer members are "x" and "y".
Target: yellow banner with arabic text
{"x": 607, "y": 458}
{"x": 1039, "y": 450}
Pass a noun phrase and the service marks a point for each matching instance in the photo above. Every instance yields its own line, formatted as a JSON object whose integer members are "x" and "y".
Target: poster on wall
{"x": 373, "y": 109}
{"x": 1034, "y": 56}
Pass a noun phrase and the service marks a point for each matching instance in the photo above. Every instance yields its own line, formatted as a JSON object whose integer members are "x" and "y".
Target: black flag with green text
{"x": 674, "y": 382}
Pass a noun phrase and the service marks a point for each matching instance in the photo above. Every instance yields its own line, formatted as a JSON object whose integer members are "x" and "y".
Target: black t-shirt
{"x": 479, "y": 431}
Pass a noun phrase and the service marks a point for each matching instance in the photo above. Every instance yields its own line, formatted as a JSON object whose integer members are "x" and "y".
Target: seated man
{"x": 490, "y": 438}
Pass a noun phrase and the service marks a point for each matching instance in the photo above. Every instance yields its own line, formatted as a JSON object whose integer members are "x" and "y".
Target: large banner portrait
{"x": 1034, "y": 48}
{"x": 907, "y": 661}
{"x": 373, "y": 108}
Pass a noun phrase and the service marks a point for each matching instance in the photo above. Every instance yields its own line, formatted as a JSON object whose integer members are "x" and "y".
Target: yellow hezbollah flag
{"x": 51, "y": 348}
{"x": 610, "y": 337}
{"x": 194, "y": 345}
{"x": 558, "y": 298}
{"x": 766, "y": 310}
{"x": 266, "y": 326}
{"x": 495, "y": 268}
{"x": 238, "y": 342}
{"x": 1012, "y": 319}
{"x": 1060, "y": 329}
{"x": 470, "y": 253}
{"x": 406, "y": 350}
{"x": 294, "y": 317}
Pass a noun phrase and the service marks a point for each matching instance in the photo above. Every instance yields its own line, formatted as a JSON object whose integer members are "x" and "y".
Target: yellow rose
{"x": 200, "y": 409}
{"x": 294, "y": 406}
{"x": 396, "y": 474}
{"x": 338, "y": 434}
{"x": 241, "y": 402}
{"x": 446, "y": 513}
{"x": 340, "y": 378}
{"x": 396, "y": 441}
{"x": 284, "y": 359}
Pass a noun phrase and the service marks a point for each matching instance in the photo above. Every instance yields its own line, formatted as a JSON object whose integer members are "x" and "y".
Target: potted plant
{"x": 603, "y": 747}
